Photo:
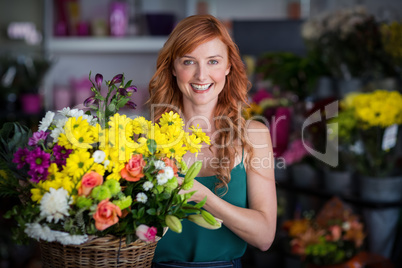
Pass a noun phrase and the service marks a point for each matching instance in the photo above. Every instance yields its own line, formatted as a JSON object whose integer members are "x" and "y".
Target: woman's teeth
{"x": 201, "y": 87}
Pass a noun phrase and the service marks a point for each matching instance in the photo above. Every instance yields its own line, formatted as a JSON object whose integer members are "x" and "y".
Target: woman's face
{"x": 201, "y": 74}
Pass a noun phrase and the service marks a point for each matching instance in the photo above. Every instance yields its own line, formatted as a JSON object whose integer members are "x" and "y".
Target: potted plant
{"x": 334, "y": 236}
{"x": 373, "y": 131}
{"x": 349, "y": 43}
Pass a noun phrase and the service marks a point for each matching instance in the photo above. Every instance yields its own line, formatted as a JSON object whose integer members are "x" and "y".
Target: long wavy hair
{"x": 166, "y": 96}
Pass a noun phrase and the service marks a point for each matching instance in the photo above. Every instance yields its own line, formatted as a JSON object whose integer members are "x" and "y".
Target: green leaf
{"x": 151, "y": 143}
{"x": 201, "y": 203}
{"x": 151, "y": 211}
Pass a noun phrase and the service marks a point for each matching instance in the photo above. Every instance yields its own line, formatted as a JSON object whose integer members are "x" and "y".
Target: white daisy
{"x": 46, "y": 121}
{"x": 162, "y": 178}
{"x": 168, "y": 172}
{"x": 55, "y": 204}
{"x": 99, "y": 156}
{"x": 159, "y": 164}
{"x": 65, "y": 111}
{"x": 147, "y": 185}
{"x": 75, "y": 113}
{"x": 141, "y": 197}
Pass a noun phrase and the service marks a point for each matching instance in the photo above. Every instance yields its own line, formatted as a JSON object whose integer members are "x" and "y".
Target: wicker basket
{"x": 108, "y": 251}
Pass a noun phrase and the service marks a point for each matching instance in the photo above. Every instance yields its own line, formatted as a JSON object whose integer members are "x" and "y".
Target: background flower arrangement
{"x": 333, "y": 236}
{"x": 349, "y": 43}
{"x": 362, "y": 123}
{"x": 76, "y": 178}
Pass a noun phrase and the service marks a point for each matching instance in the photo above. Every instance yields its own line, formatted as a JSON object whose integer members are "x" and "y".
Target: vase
{"x": 304, "y": 175}
{"x": 381, "y": 223}
{"x": 338, "y": 182}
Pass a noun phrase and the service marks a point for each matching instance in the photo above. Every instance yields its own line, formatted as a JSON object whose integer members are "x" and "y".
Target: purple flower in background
{"x": 131, "y": 105}
{"x": 131, "y": 89}
{"x": 116, "y": 79}
{"x": 90, "y": 101}
{"x": 37, "y": 137}
{"x": 20, "y": 157}
{"x": 98, "y": 81}
{"x": 38, "y": 160}
{"x": 123, "y": 92}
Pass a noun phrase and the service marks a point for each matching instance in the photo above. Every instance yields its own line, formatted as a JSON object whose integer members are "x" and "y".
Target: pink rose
{"x": 89, "y": 181}
{"x": 146, "y": 233}
{"x": 133, "y": 169}
{"x": 106, "y": 215}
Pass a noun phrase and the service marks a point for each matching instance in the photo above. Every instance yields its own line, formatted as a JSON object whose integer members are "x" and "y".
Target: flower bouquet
{"x": 104, "y": 180}
{"x": 334, "y": 236}
{"x": 369, "y": 131}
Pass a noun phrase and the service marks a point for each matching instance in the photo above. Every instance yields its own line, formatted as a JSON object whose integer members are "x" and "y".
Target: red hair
{"x": 163, "y": 89}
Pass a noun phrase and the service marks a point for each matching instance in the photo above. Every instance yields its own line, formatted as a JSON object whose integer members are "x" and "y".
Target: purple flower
{"x": 123, "y": 91}
{"x": 131, "y": 105}
{"x": 61, "y": 154}
{"x": 131, "y": 89}
{"x": 98, "y": 81}
{"x": 38, "y": 160}
{"x": 116, "y": 79}
{"x": 37, "y": 137}
{"x": 37, "y": 177}
{"x": 20, "y": 157}
{"x": 90, "y": 101}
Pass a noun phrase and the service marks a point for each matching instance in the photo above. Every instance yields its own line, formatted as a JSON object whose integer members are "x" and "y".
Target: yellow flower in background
{"x": 253, "y": 110}
{"x": 378, "y": 108}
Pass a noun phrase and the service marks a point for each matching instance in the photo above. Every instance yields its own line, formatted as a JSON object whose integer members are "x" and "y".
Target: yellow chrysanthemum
{"x": 200, "y": 134}
{"x": 141, "y": 125}
{"x": 171, "y": 118}
{"x": 80, "y": 133}
{"x": 370, "y": 108}
{"x": 193, "y": 143}
{"x": 78, "y": 163}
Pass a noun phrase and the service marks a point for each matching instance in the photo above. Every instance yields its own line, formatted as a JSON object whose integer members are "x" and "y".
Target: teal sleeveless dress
{"x": 197, "y": 244}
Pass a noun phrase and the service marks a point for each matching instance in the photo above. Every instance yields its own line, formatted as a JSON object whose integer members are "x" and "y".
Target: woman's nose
{"x": 201, "y": 72}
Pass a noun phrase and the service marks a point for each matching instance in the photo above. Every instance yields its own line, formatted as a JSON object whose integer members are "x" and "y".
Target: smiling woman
{"x": 200, "y": 75}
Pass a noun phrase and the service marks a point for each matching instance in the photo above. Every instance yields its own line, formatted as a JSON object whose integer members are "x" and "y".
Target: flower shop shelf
{"x": 139, "y": 44}
{"x": 350, "y": 198}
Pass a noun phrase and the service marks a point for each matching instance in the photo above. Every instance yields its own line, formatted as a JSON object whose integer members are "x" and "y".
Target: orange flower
{"x": 106, "y": 215}
{"x": 133, "y": 169}
{"x": 335, "y": 233}
{"x": 88, "y": 182}
{"x": 170, "y": 163}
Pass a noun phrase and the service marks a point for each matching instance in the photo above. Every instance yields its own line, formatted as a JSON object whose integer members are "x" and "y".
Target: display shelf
{"x": 352, "y": 199}
{"x": 149, "y": 44}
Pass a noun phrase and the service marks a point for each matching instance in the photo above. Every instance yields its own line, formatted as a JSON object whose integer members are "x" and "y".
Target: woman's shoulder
{"x": 257, "y": 133}
{"x": 253, "y": 124}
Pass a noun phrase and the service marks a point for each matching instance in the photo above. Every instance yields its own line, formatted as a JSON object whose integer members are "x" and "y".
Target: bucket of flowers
{"x": 333, "y": 237}
{"x": 100, "y": 190}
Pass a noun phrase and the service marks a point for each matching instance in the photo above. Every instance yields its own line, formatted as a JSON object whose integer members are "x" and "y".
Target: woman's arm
{"x": 256, "y": 224}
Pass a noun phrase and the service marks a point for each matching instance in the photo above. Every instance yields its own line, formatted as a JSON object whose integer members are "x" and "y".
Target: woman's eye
{"x": 188, "y": 62}
{"x": 213, "y": 62}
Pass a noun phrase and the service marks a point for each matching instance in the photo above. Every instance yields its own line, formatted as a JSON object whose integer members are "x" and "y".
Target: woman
{"x": 200, "y": 74}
